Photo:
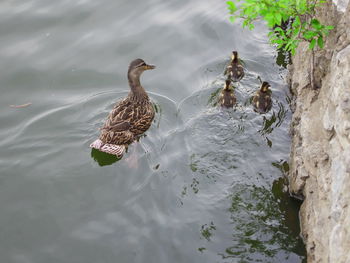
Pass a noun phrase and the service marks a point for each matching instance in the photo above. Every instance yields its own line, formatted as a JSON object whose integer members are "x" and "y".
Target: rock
{"x": 320, "y": 130}
{"x": 341, "y": 4}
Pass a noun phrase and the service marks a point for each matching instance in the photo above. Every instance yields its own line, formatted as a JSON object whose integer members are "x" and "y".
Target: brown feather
{"x": 127, "y": 121}
{"x": 130, "y": 117}
{"x": 262, "y": 101}
{"x": 234, "y": 70}
{"x": 227, "y": 98}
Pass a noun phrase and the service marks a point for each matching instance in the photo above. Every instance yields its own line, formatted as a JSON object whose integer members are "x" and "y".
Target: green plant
{"x": 291, "y": 21}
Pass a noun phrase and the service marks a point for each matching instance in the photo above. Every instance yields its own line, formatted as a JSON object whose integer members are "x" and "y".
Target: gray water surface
{"x": 203, "y": 185}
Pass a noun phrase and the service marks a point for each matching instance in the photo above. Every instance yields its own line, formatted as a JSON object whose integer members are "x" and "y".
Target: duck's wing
{"x": 227, "y": 69}
{"x": 237, "y": 72}
{"x": 116, "y": 129}
{"x": 143, "y": 118}
{"x": 262, "y": 102}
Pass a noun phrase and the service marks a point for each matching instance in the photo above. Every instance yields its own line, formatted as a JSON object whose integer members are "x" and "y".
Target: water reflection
{"x": 273, "y": 121}
{"x": 259, "y": 228}
{"x": 232, "y": 148}
{"x": 207, "y": 230}
{"x": 162, "y": 207}
{"x": 103, "y": 158}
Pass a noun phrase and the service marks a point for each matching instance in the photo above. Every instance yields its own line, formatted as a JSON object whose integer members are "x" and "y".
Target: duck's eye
{"x": 141, "y": 65}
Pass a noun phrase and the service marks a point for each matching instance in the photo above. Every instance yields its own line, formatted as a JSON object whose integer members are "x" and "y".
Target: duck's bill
{"x": 150, "y": 67}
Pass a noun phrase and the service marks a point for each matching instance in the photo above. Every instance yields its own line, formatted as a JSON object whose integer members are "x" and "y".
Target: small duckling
{"x": 262, "y": 99}
{"x": 235, "y": 70}
{"x": 227, "y": 97}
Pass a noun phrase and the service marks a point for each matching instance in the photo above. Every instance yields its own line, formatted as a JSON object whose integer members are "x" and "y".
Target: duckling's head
{"x": 264, "y": 86}
{"x": 234, "y": 56}
{"x": 138, "y": 66}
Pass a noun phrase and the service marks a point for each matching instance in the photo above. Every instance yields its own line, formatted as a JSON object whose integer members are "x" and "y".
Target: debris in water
{"x": 21, "y": 106}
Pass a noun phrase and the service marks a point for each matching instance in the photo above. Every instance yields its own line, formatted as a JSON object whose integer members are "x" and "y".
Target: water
{"x": 204, "y": 185}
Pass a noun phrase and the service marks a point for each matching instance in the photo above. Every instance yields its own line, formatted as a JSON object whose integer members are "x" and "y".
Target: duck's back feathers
{"x": 262, "y": 101}
{"x": 227, "y": 98}
{"x": 235, "y": 71}
{"x": 126, "y": 121}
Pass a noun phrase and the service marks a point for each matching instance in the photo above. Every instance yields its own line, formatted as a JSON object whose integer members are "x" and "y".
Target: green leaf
{"x": 278, "y": 18}
{"x": 312, "y": 44}
{"x": 232, "y": 19}
{"x": 297, "y": 21}
{"x": 309, "y": 34}
{"x": 320, "y": 42}
{"x": 329, "y": 27}
{"x": 270, "y": 19}
{"x": 278, "y": 29}
{"x": 316, "y": 24}
{"x": 232, "y": 7}
{"x": 295, "y": 31}
{"x": 251, "y": 26}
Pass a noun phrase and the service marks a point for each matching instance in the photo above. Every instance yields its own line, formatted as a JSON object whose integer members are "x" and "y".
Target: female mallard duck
{"x": 234, "y": 70}
{"x": 129, "y": 118}
{"x": 262, "y": 99}
{"x": 227, "y": 97}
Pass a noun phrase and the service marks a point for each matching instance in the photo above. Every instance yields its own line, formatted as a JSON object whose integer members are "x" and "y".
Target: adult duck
{"x": 129, "y": 118}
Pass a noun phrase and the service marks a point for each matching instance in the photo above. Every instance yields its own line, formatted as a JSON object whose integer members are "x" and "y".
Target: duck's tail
{"x": 114, "y": 149}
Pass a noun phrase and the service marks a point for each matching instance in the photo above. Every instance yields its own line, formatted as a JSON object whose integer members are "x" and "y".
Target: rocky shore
{"x": 320, "y": 154}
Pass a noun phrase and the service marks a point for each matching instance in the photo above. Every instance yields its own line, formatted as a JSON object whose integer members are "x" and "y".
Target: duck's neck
{"x": 228, "y": 88}
{"x": 137, "y": 92}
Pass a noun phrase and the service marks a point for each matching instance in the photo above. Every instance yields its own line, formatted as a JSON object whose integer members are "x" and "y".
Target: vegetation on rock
{"x": 291, "y": 21}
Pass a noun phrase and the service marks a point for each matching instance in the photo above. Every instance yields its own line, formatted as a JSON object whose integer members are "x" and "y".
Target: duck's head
{"x": 138, "y": 66}
{"x": 264, "y": 86}
{"x": 234, "y": 56}
{"x": 227, "y": 84}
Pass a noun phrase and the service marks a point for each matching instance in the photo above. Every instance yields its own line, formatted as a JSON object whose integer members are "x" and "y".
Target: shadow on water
{"x": 265, "y": 224}
{"x": 103, "y": 158}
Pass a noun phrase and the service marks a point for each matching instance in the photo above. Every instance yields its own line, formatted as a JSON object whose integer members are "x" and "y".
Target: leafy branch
{"x": 291, "y": 21}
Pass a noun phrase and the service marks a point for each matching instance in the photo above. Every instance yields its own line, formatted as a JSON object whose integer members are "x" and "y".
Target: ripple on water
{"x": 201, "y": 186}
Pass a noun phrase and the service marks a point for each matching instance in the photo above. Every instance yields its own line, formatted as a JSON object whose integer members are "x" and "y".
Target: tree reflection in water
{"x": 265, "y": 224}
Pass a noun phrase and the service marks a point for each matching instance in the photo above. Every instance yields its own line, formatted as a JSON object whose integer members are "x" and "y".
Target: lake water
{"x": 203, "y": 185}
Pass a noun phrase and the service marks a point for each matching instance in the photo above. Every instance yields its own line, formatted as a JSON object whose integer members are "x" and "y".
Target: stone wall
{"x": 320, "y": 154}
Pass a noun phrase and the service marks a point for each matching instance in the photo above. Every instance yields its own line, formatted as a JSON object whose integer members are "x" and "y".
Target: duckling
{"x": 227, "y": 97}
{"x": 130, "y": 117}
{"x": 262, "y": 99}
{"x": 234, "y": 70}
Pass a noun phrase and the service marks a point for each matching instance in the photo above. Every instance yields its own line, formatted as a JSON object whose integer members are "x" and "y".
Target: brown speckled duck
{"x": 262, "y": 99}
{"x": 234, "y": 70}
{"x": 130, "y": 117}
{"x": 227, "y": 97}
